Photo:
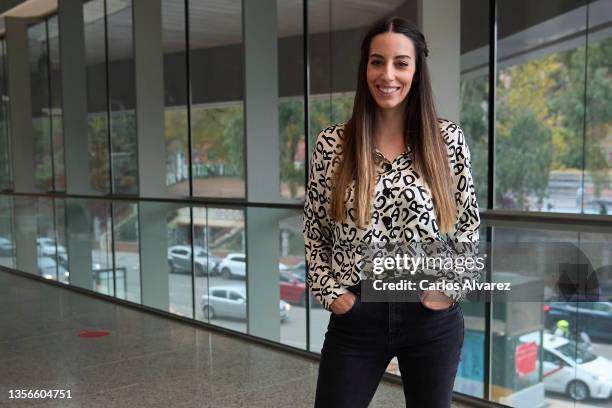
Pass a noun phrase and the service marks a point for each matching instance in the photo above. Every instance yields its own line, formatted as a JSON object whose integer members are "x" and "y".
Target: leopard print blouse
{"x": 402, "y": 210}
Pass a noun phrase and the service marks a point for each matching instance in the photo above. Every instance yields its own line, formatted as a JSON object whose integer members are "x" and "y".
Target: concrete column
{"x": 440, "y": 22}
{"x": 74, "y": 98}
{"x": 20, "y": 105}
{"x": 261, "y": 100}
{"x": 153, "y": 236}
{"x": 148, "y": 60}
{"x": 263, "y": 253}
{"x": 79, "y": 241}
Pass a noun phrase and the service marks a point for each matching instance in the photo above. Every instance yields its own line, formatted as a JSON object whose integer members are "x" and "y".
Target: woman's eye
{"x": 403, "y": 64}
{"x": 375, "y": 62}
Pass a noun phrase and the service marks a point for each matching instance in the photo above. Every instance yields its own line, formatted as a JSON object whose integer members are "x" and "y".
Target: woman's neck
{"x": 389, "y": 126}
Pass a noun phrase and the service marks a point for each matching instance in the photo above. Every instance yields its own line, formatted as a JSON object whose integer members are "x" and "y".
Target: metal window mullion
{"x": 189, "y": 96}
{"x": 488, "y": 315}
{"x": 492, "y": 102}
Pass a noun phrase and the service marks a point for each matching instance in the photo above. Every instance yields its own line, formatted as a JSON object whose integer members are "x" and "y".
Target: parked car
{"x": 179, "y": 260}
{"x": 230, "y": 301}
{"x": 234, "y": 265}
{"x": 568, "y": 368}
{"x": 594, "y": 318}
{"x": 6, "y": 246}
{"x": 48, "y": 247}
{"x": 292, "y": 288}
{"x": 49, "y": 269}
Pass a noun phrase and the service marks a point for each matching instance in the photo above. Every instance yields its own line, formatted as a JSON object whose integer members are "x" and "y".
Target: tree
{"x": 524, "y": 159}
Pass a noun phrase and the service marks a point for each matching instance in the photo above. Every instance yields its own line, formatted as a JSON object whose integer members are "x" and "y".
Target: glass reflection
{"x": 41, "y": 120}
{"x": 174, "y": 43}
{"x": 221, "y": 297}
{"x": 5, "y": 154}
{"x": 122, "y": 94}
{"x": 97, "y": 94}
{"x": 217, "y": 114}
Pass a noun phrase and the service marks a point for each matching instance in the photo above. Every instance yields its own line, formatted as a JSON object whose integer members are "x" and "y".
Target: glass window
{"x": 97, "y": 95}
{"x": 5, "y": 152}
{"x": 475, "y": 91}
{"x": 539, "y": 109}
{"x": 55, "y": 87}
{"x": 41, "y": 119}
{"x": 218, "y": 293}
{"x": 220, "y": 232}
{"x": 291, "y": 98}
{"x": 217, "y": 113}
{"x": 127, "y": 251}
{"x": 180, "y": 287}
{"x": 597, "y": 188}
{"x": 7, "y": 245}
{"x": 174, "y": 43}
{"x": 122, "y": 94}
{"x": 235, "y": 296}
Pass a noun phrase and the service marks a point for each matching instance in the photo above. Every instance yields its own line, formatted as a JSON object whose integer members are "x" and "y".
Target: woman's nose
{"x": 388, "y": 72}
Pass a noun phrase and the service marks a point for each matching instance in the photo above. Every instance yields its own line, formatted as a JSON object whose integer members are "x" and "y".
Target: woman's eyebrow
{"x": 396, "y": 57}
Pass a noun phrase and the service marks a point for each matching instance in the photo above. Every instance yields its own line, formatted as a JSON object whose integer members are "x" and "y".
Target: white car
{"x": 230, "y": 301}
{"x": 575, "y": 371}
{"x": 48, "y": 247}
{"x": 234, "y": 264}
{"x": 179, "y": 260}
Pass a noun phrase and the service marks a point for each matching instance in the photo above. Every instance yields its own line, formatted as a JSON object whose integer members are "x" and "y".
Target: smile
{"x": 387, "y": 90}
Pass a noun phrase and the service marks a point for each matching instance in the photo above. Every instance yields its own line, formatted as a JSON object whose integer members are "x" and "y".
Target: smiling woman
{"x": 393, "y": 173}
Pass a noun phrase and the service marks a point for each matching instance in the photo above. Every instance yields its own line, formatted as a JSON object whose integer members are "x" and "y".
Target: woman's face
{"x": 391, "y": 66}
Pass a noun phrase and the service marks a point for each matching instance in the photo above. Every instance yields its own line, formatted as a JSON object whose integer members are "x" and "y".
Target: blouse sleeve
{"x": 317, "y": 230}
{"x": 463, "y": 238}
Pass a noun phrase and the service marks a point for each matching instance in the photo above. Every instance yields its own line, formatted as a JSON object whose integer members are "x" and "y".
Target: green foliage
{"x": 524, "y": 158}
{"x": 474, "y": 120}
{"x": 291, "y": 129}
{"x": 541, "y": 123}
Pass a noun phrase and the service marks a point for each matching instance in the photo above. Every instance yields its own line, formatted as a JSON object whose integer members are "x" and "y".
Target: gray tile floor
{"x": 147, "y": 361}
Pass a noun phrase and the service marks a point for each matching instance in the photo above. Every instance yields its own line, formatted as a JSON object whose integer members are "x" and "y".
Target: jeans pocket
{"x": 437, "y": 311}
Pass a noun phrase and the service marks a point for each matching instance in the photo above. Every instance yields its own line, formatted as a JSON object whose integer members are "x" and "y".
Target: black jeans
{"x": 360, "y": 343}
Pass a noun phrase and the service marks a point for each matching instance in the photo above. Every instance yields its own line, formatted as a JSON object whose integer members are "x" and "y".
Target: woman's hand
{"x": 344, "y": 303}
{"x": 435, "y": 300}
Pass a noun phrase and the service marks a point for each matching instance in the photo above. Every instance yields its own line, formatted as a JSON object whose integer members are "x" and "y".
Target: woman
{"x": 393, "y": 172}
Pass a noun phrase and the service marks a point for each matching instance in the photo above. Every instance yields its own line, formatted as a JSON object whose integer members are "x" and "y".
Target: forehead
{"x": 391, "y": 44}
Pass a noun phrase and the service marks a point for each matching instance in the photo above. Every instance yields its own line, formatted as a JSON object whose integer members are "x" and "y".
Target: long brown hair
{"x": 421, "y": 133}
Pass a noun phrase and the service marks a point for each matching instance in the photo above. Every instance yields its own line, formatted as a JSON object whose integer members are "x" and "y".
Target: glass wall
{"x": 55, "y": 89}
{"x": 213, "y": 255}
{"x": 217, "y": 93}
{"x": 176, "y": 88}
{"x": 46, "y": 97}
{"x": 474, "y": 84}
{"x": 111, "y": 96}
{"x": 5, "y": 153}
{"x": 290, "y": 46}
{"x": 553, "y": 152}
{"x": 97, "y": 95}
{"x": 122, "y": 96}
{"x": 41, "y": 118}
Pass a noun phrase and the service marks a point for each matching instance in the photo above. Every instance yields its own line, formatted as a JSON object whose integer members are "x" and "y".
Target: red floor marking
{"x": 93, "y": 333}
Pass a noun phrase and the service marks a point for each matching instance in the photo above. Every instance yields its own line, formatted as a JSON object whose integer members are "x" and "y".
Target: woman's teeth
{"x": 388, "y": 90}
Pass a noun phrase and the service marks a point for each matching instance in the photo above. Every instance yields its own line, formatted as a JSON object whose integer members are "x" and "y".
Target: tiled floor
{"x": 147, "y": 361}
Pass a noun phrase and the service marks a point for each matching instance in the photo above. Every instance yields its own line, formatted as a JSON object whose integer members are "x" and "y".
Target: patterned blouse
{"x": 402, "y": 210}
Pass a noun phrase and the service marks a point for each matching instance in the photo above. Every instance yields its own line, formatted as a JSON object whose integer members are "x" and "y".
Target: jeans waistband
{"x": 355, "y": 289}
